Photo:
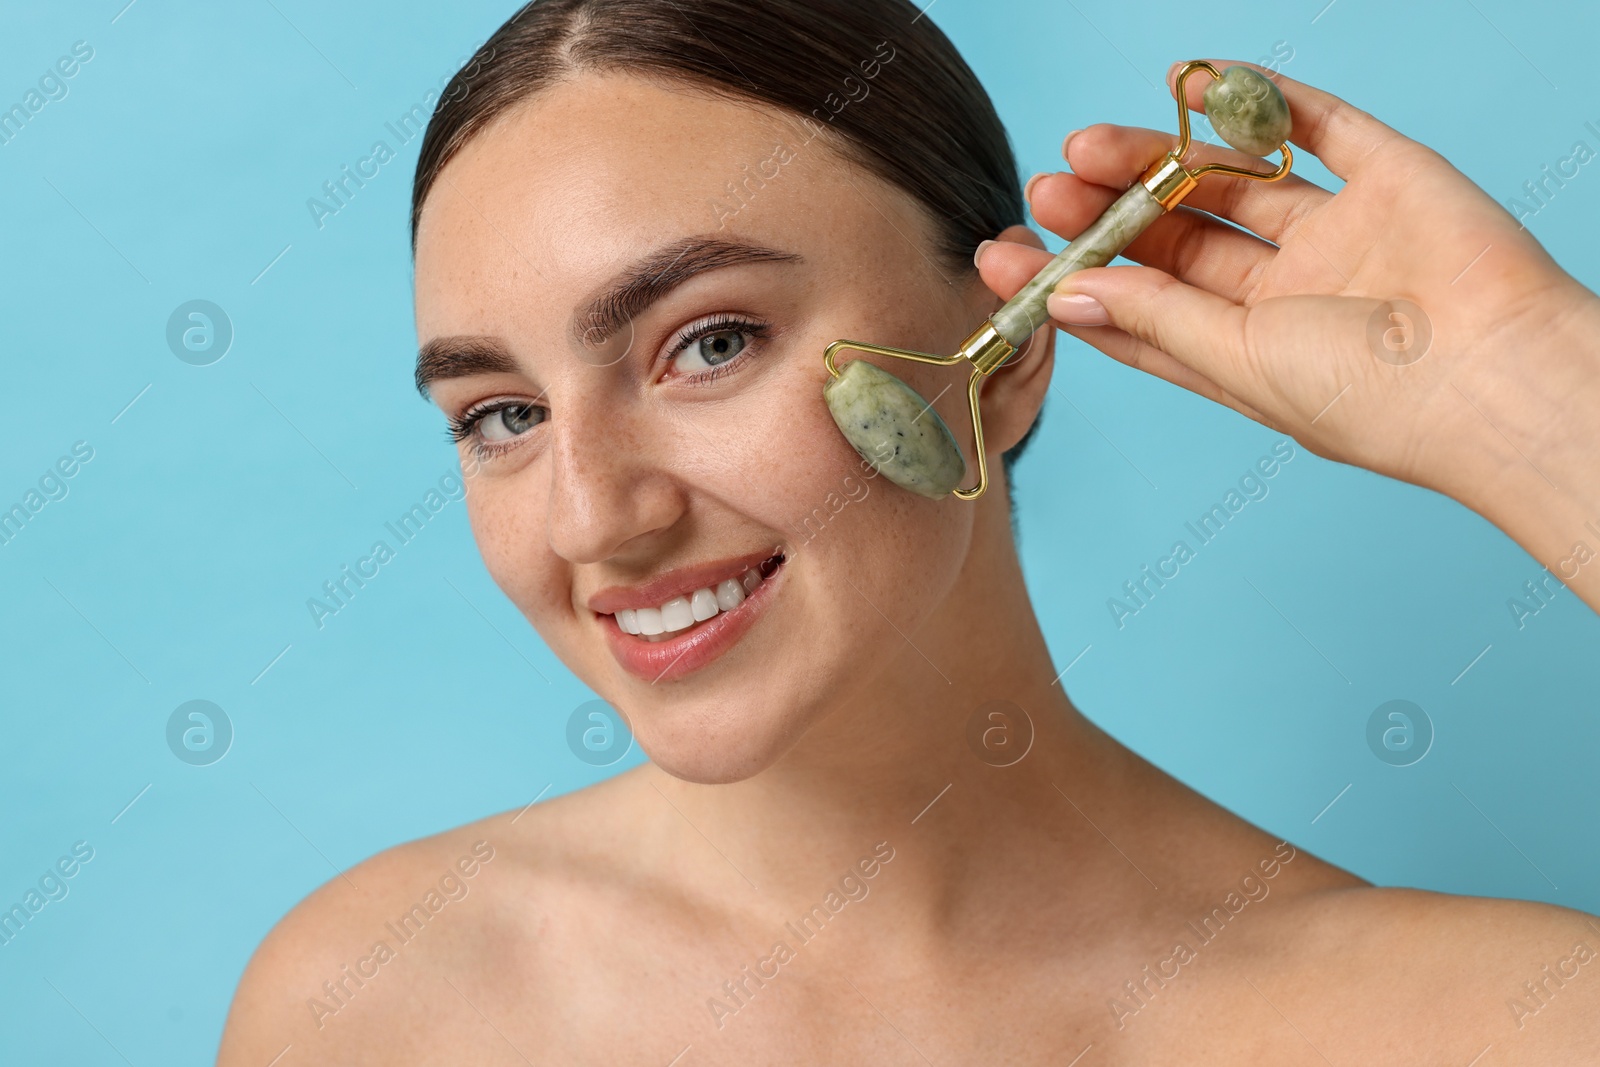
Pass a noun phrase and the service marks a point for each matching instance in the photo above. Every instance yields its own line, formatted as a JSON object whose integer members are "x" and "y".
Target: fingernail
{"x": 977, "y": 256}
{"x": 1077, "y": 309}
{"x": 1068, "y": 141}
{"x": 1027, "y": 190}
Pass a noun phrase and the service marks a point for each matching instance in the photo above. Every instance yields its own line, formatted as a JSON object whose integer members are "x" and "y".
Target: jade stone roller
{"x": 900, "y": 434}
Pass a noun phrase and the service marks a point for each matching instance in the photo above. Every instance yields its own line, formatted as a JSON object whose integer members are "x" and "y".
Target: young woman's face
{"x": 623, "y": 293}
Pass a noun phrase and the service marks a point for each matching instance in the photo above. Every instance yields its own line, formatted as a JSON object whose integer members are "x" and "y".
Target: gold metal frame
{"x": 985, "y": 349}
{"x": 1167, "y": 179}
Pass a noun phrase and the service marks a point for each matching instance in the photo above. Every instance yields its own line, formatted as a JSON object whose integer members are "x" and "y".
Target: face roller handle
{"x": 1099, "y": 244}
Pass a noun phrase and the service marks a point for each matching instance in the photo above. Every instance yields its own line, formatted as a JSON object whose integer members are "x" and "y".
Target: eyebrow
{"x": 625, "y": 297}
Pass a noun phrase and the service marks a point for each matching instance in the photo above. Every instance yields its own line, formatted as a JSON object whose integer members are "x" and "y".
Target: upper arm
{"x": 273, "y": 1006}
{"x": 1440, "y": 972}
{"x": 1551, "y": 987}
{"x": 341, "y": 980}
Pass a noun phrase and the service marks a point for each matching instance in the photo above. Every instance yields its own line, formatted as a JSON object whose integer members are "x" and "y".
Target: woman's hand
{"x": 1406, "y": 324}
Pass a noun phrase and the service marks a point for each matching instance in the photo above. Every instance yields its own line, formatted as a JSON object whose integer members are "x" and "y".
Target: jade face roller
{"x": 899, "y": 433}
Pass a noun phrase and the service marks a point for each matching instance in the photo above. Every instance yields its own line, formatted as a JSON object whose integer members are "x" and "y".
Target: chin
{"x": 718, "y": 743}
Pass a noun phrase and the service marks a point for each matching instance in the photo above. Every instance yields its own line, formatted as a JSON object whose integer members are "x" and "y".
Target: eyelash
{"x": 723, "y": 323}
{"x": 461, "y": 427}
{"x": 464, "y": 427}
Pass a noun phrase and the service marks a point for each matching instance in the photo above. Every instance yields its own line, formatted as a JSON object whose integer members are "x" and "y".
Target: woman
{"x": 873, "y": 828}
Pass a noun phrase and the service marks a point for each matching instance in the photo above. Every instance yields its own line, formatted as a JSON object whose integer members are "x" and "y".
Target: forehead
{"x": 575, "y": 182}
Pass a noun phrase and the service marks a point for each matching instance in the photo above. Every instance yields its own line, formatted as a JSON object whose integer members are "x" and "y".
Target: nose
{"x": 608, "y": 486}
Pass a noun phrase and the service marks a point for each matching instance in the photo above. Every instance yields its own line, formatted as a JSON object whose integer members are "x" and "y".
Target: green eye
{"x": 510, "y": 421}
{"x": 709, "y": 347}
{"x": 497, "y": 422}
{"x": 709, "y": 350}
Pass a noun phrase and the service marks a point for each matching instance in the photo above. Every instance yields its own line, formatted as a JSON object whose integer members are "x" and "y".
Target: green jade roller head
{"x": 900, "y": 434}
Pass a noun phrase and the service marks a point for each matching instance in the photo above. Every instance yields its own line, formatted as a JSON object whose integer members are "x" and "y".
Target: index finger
{"x": 1338, "y": 133}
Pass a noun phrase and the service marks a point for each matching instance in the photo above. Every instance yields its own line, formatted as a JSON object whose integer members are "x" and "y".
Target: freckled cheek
{"x": 770, "y": 454}
{"x": 805, "y": 455}
{"x": 808, "y": 462}
{"x": 900, "y": 550}
{"x": 509, "y": 529}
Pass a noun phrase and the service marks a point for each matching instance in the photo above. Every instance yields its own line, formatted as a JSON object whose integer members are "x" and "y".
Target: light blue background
{"x": 178, "y": 567}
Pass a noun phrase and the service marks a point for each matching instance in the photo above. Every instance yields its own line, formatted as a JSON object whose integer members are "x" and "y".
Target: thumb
{"x": 1201, "y": 330}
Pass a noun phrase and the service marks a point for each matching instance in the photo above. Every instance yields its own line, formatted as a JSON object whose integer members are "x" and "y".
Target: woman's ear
{"x": 1013, "y": 395}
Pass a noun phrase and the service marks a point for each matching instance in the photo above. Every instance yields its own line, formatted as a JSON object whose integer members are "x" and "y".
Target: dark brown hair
{"x": 930, "y": 129}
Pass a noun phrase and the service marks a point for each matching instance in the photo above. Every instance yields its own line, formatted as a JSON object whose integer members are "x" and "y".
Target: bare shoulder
{"x": 384, "y": 963}
{"x": 345, "y": 960}
{"x": 1376, "y": 971}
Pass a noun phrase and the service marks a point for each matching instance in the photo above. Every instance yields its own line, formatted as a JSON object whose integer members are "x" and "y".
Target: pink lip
{"x": 681, "y": 582}
{"x": 657, "y": 661}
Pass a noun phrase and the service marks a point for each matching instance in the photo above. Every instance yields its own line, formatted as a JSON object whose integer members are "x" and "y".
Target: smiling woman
{"x": 636, "y": 384}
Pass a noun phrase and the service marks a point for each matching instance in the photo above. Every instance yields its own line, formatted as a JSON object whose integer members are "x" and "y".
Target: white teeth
{"x": 682, "y": 612}
{"x": 676, "y": 614}
{"x": 730, "y": 594}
